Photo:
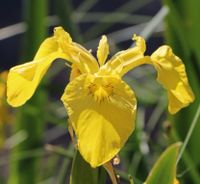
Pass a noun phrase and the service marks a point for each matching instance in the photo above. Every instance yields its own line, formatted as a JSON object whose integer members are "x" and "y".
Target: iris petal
{"x": 76, "y": 53}
{"x": 102, "y": 128}
{"x": 24, "y": 79}
{"x": 172, "y": 75}
{"x": 124, "y": 61}
{"x": 103, "y": 50}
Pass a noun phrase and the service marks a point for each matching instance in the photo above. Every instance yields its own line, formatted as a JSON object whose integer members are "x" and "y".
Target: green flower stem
{"x": 131, "y": 180}
{"x": 126, "y": 177}
{"x": 82, "y": 172}
{"x": 188, "y": 161}
{"x": 63, "y": 171}
{"x": 156, "y": 114}
{"x": 35, "y": 13}
{"x": 193, "y": 124}
{"x": 31, "y": 116}
{"x": 192, "y": 167}
{"x": 59, "y": 150}
{"x": 184, "y": 40}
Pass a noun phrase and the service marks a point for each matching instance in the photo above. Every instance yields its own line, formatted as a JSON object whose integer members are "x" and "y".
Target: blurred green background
{"x": 36, "y": 147}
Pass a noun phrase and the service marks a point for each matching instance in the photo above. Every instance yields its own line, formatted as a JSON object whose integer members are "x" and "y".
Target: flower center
{"x": 100, "y": 88}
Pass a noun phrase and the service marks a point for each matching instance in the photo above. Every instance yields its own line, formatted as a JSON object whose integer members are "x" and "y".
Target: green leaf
{"x": 30, "y": 117}
{"x": 182, "y": 30}
{"x": 164, "y": 170}
{"x": 82, "y": 172}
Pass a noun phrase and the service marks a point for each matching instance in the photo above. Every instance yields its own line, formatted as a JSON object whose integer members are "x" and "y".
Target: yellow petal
{"x": 172, "y": 75}
{"x": 77, "y": 54}
{"x": 54, "y": 44}
{"x": 124, "y": 61}
{"x": 47, "y": 47}
{"x": 176, "y": 181}
{"x": 24, "y": 79}
{"x": 102, "y": 123}
{"x": 140, "y": 43}
{"x": 75, "y": 72}
{"x": 103, "y": 50}
{"x": 63, "y": 38}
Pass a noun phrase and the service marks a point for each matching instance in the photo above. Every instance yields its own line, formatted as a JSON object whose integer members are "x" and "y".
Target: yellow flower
{"x": 5, "y": 116}
{"x": 176, "y": 181}
{"x": 172, "y": 75}
{"x": 100, "y": 105}
{"x": 3, "y": 109}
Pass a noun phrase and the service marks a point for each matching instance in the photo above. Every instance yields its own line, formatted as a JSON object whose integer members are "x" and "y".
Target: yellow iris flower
{"x": 3, "y": 109}
{"x": 176, "y": 181}
{"x": 5, "y": 116}
{"x": 100, "y": 105}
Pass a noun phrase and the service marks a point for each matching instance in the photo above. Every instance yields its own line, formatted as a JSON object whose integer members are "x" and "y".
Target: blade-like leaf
{"x": 82, "y": 172}
{"x": 164, "y": 170}
{"x": 182, "y": 37}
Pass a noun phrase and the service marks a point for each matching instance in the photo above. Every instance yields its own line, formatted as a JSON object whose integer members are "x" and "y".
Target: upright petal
{"x": 172, "y": 75}
{"x": 128, "y": 59}
{"x": 102, "y": 125}
{"x": 75, "y": 52}
{"x": 103, "y": 50}
{"x": 82, "y": 58}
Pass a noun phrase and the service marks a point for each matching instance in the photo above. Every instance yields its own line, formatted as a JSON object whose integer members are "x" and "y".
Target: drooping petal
{"x": 172, "y": 75}
{"x": 124, "y": 61}
{"x": 54, "y": 44}
{"x": 76, "y": 53}
{"x": 101, "y": 126}
{"x": 103, "y": 50}
{"x": 24, "y": 79}
{"x": 47, "y": 47}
